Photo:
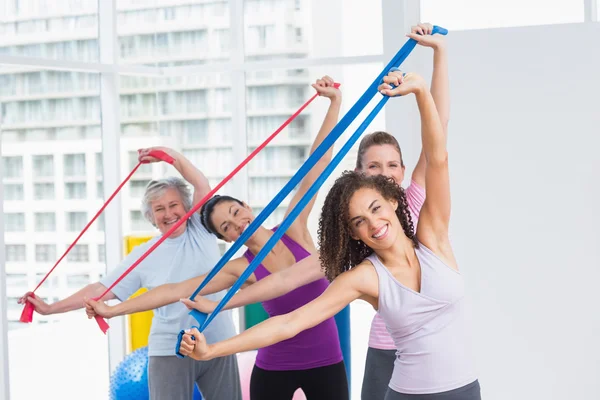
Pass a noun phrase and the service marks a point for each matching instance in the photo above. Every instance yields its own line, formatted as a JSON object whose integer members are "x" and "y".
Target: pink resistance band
{"x": 101, "y": 322}
{"x": 27, "y": 313}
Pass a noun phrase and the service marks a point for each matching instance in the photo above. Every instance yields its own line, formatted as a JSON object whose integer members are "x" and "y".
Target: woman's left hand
{"x": 325, "y": 87}
{"x": 193, "y": 344}
{"x": 404, "y": 84}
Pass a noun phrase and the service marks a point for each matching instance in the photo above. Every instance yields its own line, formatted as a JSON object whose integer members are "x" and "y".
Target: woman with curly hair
{"x": 378, "y": 154}
{"x": 371, "y": 252}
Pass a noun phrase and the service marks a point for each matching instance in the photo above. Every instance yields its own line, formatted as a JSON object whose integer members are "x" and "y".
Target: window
{"x": 137, "y": 188}
{"x": 133, "y": 161}
{"x": 195, "y": 132}
{"x": 296, "y": 96}
{"x": 15, "y": 253}
{"x": 45, "y": 253}
{"x": 14, "y": 222}
{"x": 43, "y": 166}
{"x": 79, "y": 253}
{"x": 16, "y": 280}
{"x": 100, "y": 223}
{"x": 78, "y": 281}
{"x": 100, "y": 190}
{"x": 13, "y": 166}
{"x": 260, "y": 36}
{"x": 45, "y": 222}
{"x": 101, "y": 253}
{"x": 51, "y": 281}
{"x": 75, "y": 190}
{"x": 222, "y": 39}
{"x": 13, "y": 192}
{"x": 74, "y": 165}
{"x": 221, "y": 101}
{"x": 12, "y": 304}
{"x": 76, "y": 221}
{"x": 138, "y": 222}
{"x": 99, "y": 165}
{"x": 297, "y": 5}
{"x": 43, "y": 191}
{"x": 299, "y": 35}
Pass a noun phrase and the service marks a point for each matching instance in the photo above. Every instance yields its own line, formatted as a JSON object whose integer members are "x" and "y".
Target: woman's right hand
{"x": 94, "y": 308}
{"x": 423, "y": 34}
{"x": 201, "y": 304}
{"x": 404, "y": 84}
{"x": 40, "y": 306}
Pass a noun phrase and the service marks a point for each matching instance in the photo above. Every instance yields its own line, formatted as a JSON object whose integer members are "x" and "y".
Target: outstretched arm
{"x": 440, "y": 87}
{"x": 351, "y": 285}
{"x": 73, "y": 302}
{"x": 275, "y": 285}
{"x": 187, "y": 170}
{"x": 170, "y": 293}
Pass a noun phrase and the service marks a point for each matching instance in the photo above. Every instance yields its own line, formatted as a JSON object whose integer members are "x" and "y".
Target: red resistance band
{"x": 101, "y": 322}
{"x": 27, "y": 313}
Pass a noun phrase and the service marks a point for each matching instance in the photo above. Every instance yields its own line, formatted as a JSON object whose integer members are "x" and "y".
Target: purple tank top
{"x": 318, "y": 346}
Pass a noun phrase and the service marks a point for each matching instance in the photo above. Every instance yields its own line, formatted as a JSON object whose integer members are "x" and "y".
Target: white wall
{"x": 525, "y": 176}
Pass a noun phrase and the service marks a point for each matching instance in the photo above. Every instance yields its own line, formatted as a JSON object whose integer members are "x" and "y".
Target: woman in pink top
{"x": 370, "y": 251}
{"x": 378, "y": 154}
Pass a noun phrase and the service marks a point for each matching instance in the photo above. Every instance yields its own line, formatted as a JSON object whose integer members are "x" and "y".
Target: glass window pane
{"x": 73, "y": 26}
{"x": 13, "y": 192}
{"x": 43, "y": 166}
{"x": 295, "y": 29}
{"x": 74, "y": 165}
{"x": 475, "y": 14}
{"x": 165, "y": 34}
{"x": 50, "y": 135}
{"x": 43, "y": 191}
{"x": 45, "y": 222}
{"x": 45, "y": 253}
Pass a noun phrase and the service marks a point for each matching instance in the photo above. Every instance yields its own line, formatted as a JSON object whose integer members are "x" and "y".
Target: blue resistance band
{"x": 304, "y": 169}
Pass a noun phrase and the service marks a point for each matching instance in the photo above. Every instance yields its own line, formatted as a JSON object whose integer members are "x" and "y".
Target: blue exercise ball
{"x": 130, "y": 379}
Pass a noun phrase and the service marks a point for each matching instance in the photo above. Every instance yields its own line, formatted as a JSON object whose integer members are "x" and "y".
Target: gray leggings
{"x": 378, "y": 373}
{"x": 171, "y": 378}
{"x": 468, "y": 392}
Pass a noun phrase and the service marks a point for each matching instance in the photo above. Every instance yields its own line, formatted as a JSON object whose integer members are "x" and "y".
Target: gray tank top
{"x": 429, "y": 327}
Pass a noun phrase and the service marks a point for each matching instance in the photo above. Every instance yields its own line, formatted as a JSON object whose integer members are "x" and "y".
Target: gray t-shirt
{"x": 192, "y": 254}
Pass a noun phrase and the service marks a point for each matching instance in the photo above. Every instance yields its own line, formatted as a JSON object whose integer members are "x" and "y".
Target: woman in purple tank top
{"x": 311, "y": 360}
{"x": 369, "y": 246}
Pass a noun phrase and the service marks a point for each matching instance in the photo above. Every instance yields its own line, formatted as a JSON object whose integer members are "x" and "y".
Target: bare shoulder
{"x": 364, "y": 278}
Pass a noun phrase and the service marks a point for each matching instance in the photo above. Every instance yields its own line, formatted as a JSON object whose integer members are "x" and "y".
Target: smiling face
{"x": 372, "y": 219}
{"x": 383, "y": 160}
{"x": 230, "y": 219}
{"x": 167, "y": 210}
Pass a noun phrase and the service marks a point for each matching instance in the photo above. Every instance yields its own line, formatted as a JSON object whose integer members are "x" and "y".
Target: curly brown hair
{"x": 339, "y": 252}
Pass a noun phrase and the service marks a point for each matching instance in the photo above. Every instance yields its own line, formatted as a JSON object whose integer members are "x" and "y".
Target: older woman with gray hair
{"x": 189, "y": 251}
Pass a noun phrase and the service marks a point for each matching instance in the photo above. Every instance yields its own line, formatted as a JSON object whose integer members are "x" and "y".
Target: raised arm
{"x": 275, "y": 285}
{"x": 356, "y": 283}
{"x": 434, "y": 219}
{"x": 325, "y": 88}
{"x": 187, "y": 170}
{"x": 170, "y": 293}
{"x": 440, "y": 87}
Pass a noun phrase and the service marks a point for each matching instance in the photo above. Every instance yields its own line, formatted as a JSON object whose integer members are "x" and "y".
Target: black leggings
{"x": 323, "y": 383}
